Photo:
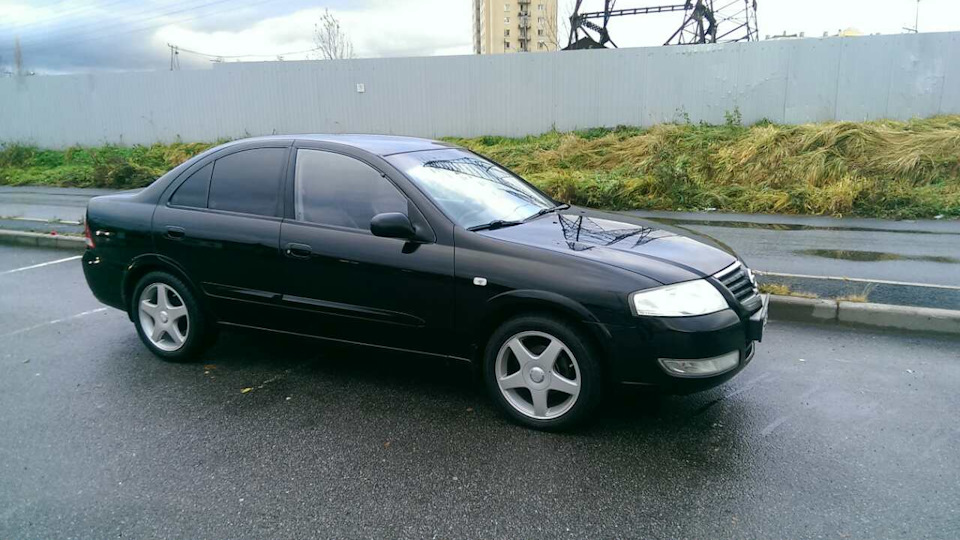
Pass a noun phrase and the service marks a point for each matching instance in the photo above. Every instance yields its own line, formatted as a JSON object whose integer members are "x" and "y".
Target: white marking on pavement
{"x": 774, "y": 425}
{"x": 858, "y": 280}
{"x": 41, "y": 265}
{"x": 55, "y": 321}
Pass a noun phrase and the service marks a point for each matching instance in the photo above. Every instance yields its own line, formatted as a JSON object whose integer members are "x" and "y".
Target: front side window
{"x": 248, "y": 181}
{"x": 469, "y": 189}
{"x": 193, "y": 191}
{"x": 333, "y": 189}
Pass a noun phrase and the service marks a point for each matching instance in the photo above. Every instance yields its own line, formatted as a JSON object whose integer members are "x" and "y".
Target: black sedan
{"x": 417, "y": 245}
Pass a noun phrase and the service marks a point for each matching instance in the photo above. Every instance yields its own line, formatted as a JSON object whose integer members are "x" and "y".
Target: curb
{"x": 75, "y": 243}
{"x": 915, "y": 319}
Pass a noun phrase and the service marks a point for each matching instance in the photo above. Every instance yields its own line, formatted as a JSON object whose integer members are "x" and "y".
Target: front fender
{"x": 517, "y": 302}
{"x": 535, "y": 297}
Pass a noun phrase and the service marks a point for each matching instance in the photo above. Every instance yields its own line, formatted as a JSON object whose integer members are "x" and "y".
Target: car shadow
{"x": 417, "y": 376}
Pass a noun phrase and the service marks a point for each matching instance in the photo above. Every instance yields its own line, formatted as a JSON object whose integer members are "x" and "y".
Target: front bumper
{"x": 636, "y": 351}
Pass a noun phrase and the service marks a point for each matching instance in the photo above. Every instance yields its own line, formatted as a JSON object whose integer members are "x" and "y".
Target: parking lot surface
{"x": 829, "y": 433}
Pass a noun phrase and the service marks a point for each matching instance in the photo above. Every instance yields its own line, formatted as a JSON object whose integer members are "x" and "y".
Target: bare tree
{"x": 558, "y": 29}
{"x": 330, "y": 40}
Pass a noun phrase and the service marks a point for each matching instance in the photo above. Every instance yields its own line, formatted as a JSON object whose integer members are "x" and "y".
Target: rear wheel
{"x": 168, "y": 318}
{"x": 542, "y": 372}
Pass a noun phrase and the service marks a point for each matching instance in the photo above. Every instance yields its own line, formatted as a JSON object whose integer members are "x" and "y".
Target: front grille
{"x": 737, "y": 279}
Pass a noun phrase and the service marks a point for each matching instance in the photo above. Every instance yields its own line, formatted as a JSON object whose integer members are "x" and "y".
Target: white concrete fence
{"x": 788, "y": 81}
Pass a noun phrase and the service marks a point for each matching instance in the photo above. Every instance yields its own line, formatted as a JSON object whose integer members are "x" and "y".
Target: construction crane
{"x": 703, "y": 22}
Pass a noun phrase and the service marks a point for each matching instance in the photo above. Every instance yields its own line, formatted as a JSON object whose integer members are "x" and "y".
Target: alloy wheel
{"x": 538, "y": 375}
{"x": 164, "y": 317}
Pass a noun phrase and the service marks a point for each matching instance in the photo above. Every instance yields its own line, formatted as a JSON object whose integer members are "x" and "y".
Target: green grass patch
{"x": 109, "y": 166}
{"x": 871, "y": 169}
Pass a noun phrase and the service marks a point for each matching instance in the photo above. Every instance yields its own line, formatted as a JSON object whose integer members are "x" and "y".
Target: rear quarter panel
{"x": 120, "y": 226}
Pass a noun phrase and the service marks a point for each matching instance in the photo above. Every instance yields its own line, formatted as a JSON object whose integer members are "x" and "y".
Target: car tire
{"x": 168, "y": 318}
{"x": 551, "y": 381}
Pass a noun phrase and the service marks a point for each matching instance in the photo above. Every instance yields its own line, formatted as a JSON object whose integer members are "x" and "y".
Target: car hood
{"x": 656, "y": 251}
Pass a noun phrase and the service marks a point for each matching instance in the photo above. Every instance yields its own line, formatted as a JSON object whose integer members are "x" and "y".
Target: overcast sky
{"x": 62, "y": 36}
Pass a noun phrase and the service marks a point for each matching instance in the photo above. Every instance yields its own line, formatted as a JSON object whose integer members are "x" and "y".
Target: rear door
{"x": 221, "y": 224}
{"x": 349, "y": 284}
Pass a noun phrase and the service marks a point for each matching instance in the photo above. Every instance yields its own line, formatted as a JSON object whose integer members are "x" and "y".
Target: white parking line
{"x": 41, "y": 265}
{"x": 55, "y": 321}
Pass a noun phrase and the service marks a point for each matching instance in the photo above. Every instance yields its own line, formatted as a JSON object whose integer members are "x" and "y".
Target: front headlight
{"x": 679, "y": 300}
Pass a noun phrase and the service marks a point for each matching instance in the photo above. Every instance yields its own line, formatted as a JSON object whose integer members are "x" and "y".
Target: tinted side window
{"x": 334, "y": 189}
{"x": 248, "y": 181}
{"x": 193, "y": 192}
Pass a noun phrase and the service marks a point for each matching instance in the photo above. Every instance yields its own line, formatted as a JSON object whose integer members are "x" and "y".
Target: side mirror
{"x": 392, "y": 225}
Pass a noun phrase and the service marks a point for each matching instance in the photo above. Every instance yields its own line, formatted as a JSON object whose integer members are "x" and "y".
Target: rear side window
{"x": 193, "y": 192}
{"x": 333, "y": 189}
{"x": 248, "y": 181}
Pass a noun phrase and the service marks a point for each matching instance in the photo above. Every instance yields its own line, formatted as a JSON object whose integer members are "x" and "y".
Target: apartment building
{"x": 507, "y": 26}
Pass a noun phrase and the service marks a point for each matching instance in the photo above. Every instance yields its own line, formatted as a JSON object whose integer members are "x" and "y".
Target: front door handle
{"x": 298, "y": 251}
{"x": 175, "y": 233}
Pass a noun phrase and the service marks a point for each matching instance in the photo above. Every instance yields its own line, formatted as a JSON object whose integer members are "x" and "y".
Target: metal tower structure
{"x": 704, "y": 21}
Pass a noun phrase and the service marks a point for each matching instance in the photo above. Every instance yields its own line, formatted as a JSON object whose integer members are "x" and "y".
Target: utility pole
{"x": 174, "y": 57}
{"x": 17, "y": 57}
{"x": 916, "y": 21}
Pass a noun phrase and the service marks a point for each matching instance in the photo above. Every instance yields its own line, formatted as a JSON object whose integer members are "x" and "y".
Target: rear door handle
{"x": 298, "y": 251}
{"x": 175, "y": 233}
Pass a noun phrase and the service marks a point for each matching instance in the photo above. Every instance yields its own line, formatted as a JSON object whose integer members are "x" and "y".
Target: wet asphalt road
{"x": 924, "y": 251}
{"x": 98, "y": 439}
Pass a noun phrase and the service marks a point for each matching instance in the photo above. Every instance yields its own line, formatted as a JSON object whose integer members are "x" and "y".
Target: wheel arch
{"x": 143, "y": 265}
{"x": 508, "y": 305}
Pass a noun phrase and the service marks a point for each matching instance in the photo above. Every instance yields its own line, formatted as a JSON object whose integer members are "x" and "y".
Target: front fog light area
{"x": 701, "y": 367}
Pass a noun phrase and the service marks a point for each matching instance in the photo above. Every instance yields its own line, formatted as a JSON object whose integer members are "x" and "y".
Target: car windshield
{"x": 471, "y": 190}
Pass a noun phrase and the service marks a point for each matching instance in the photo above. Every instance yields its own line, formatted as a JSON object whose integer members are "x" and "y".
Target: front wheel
{"x": 542, "y": 372}
{"x": 168, "y": 318}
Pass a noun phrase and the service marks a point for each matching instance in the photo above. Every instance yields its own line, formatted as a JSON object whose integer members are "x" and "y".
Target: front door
{"x": 353, "y": 286}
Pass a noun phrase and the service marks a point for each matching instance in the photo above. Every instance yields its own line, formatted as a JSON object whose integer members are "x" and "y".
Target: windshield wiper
{"x": 499, "y": 223}
{"x": 547, "y": 211}
{"x": 494, "y": 225}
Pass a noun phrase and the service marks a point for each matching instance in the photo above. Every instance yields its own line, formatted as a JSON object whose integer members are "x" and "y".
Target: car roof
{"x": 382, "y": 145}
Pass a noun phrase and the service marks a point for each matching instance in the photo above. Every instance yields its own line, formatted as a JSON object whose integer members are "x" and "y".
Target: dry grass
{"x": 859, "y": 298}
{"x": 780, "y": 289}
{"x": 775, "y": 288}
{"x": 877, "y": 169}
{"x": 872, "y": 169}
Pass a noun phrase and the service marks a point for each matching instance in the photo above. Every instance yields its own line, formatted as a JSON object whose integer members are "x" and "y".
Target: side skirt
{"x": 346, "y": 341}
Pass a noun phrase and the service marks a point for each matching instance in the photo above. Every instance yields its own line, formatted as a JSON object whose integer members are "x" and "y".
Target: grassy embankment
{"x": 874, "y": 169}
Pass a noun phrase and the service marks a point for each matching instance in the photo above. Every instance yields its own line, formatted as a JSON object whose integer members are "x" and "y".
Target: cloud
{"x": 81, "y": 36}
{"x": 379, "y": 29}
{"x": 113, "y": 35}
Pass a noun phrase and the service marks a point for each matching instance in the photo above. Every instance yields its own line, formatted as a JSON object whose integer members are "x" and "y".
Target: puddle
{"x": 782, "y": 226}
{"x": 874, "y": 256}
